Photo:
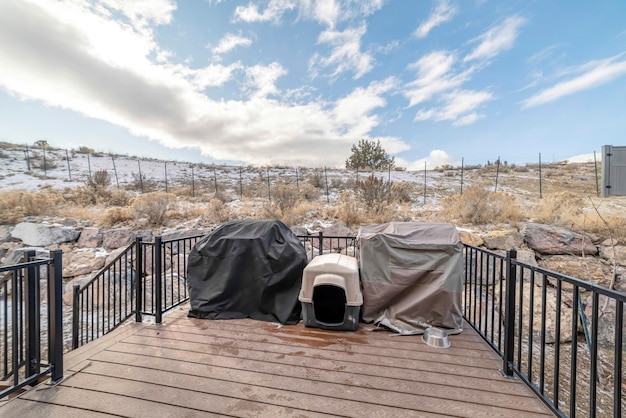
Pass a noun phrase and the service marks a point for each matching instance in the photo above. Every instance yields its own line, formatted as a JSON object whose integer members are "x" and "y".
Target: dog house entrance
{"x": 329, "y": 303}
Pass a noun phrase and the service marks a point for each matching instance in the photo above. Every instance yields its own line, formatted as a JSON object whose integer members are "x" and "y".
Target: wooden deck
{"x": 197, "y": 368}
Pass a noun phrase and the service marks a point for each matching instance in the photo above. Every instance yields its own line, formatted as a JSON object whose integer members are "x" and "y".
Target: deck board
{"x": 190, "y": 367}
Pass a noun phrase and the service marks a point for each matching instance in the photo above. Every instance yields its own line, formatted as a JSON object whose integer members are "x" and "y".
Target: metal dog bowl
{"x": 436, "y": 337}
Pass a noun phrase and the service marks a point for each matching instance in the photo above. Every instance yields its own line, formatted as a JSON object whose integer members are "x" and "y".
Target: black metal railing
{"x": 149, "y": 278}
{"x": 31, "y": 322}
{"x": 569, "y": 352}
{"x": 321, "y": 244}
{"x": 146, "y": 278}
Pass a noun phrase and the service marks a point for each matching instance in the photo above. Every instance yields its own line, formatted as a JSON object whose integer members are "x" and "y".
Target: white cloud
{"x": 442, "y": 12}
{"x": 458, "y": 106}
{"x": 331, "y": 12}
{"x": 70, "y": 56}
{"x": 229, "y": 42}
{"x": 346, "y": 54}
{"x": 272, "y": 13}
{"x": 435, "y": 75}
{"x": 496, "y": 40}
{"x": 262, "y": 79}
{"x": 436, "y": 158}
{"x": 594, "y": 73}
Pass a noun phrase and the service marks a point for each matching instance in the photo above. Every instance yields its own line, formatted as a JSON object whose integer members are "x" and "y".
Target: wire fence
{"x": 76, "y": 167}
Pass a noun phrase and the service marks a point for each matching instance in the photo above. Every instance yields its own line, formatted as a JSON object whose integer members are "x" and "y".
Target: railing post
{"x": 509, "y": 314}
{"x": 55, "y": 320}
{"x": 156, "y": 271}
{"x": 75, "y": 316}
{"x": 31, "y": 308}
{"x": 321, "y": 242}
{"x": 138, "y": 279}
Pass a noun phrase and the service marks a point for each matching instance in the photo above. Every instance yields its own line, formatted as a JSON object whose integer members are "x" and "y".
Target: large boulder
{"x": 117, "y": 238}
{"x": 503, "y": 240}
{"x": 549, "y": 239}
{"x": 590, "y": 269}
{"x": 90, "y": 238}
{"x": 610, "y": 251}
{"x": 469, "y": 238}
{"x": 43, "y": 235}
{"x": 83, "y": 261}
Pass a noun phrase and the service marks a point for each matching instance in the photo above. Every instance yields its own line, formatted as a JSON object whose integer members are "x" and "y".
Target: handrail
{"x": 532, "y": 317}
{"x": 25, "y": 331}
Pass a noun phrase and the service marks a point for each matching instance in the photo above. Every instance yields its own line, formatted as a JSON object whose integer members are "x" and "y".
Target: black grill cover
{"x": 246, "y": 269}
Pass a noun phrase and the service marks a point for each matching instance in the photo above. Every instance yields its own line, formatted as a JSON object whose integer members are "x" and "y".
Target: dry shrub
{"x": 561, "y": 208}
{"x": 478, "y": 205}
{"x": 16, "y": 204}
{"x": 152, "y": 206}
{"x": 375, "y": 192}
{"x": 116, "y": 197}
{"x": 114, "y": 216}
{"x": 317, "y": 179}
{"x": 309, "y": 192}
{"x": 218, "y": 211}
{"x": 101, "y": 178}
{"x": 81, "y": 196}
{"x": 401, "y": 192}
{"x": 285, "y": 196}
{"x": 348, "y": 210}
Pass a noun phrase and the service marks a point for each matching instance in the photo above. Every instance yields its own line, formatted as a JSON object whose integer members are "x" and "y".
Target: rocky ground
{"x": 558, "y": 222}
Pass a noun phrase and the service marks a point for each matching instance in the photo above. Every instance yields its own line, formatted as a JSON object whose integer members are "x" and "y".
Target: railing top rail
{"x": 573, "y": 280}
{"x": 34, "y": 263}
{"x": 107, "y": 266}
{"x": 483, "y": 250}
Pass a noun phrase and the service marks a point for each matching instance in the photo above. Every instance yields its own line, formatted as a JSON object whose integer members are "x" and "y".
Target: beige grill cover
{"x": 412, "y": 276}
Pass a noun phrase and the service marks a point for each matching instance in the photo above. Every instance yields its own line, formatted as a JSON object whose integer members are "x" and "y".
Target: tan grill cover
{"x": 412, "y": 276}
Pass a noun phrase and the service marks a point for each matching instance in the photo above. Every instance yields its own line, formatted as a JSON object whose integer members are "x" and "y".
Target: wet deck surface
{"x": 197, "y": 368}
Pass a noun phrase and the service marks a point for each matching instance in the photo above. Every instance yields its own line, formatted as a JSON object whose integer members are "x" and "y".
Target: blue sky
{"x": 300, "y": 81}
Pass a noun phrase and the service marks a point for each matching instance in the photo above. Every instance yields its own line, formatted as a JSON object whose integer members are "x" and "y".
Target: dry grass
{"x": 478, "y": 206}
{"x": 152, "y": 207}
{"x": 16, "y": 204}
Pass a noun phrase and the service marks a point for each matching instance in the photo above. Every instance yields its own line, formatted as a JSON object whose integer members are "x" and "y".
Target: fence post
{"x": 27, "y": 158}
{"x": 166, "y": 189}
{"x": 75, "y": 315}
{"x": 89, "y": 166}
{"x": 69, "y": 172}
{"x": 55, "y": 334}
{"x": 31, "y": 308}
{"x": 595, "y": 165}
{"x": 462, "y": 172}
{"x": 497, "y": 173}
{"x": 117, "y": 181}
{"x": 140, "y": 175}
{"x": 215, "y": 179}
{"x": 540, "y": 180}
{"x": 509, "y": 314}
{"x": 424, "y": 182}
{"x": 269, "y": 194}
{"x": 240, "y": 185}
{"x": 156, "y": 272}
{"x": 320, "y": 236}
{"x": 138, "y": 279}
{"x": 193, "y": 184}
{"x": 326, "y": 180}
{"x": 45, "y": 168}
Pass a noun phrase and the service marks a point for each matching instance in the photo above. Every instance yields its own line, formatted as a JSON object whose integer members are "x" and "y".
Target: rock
{"x": 82, "y": 262}
{"x": 503, "y": 240}
{"x": 548, "y": 239}
{"x": 90, "y": 238}
{"x": 299, "y": 230}
{"x": 16, "y": 255}
{"x": 117, "y": 238}
{"x": 43, "y": 235}
{"x": 488, "y": 276}
{"x": 469, "y": 238}
{"x": 618, "y": 252}
{"x": 5, "y": 233}
{"x": 338, "y": 229}
{"x": 536, "y": 303}
{"x": 588, "y": 269}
